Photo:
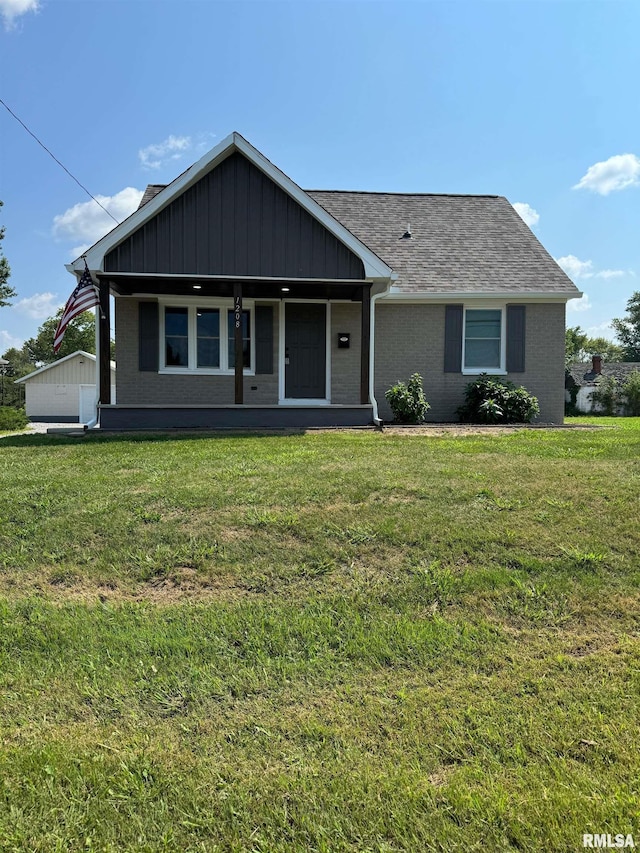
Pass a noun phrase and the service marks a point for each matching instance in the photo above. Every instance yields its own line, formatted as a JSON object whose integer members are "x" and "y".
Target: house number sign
{"x": 237, "y": 310}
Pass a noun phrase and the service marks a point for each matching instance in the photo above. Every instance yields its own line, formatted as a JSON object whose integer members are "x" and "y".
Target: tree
{"x": 607, "y": 349}
{"x": 580, "y": 347}
{"x": 574, "y": 341}
{"x": 19, "y": 365}
{"x": 79, "y": 334}
{"x": 628, "y": 329}
{"x": 6, "y": 291}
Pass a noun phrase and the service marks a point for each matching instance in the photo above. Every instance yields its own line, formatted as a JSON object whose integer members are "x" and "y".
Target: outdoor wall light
{"x": 344, "y": 340}
{"x": 197, "y": 287}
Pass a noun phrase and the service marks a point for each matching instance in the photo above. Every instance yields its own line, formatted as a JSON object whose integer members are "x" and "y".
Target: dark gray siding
{"x": 235, "y": 221}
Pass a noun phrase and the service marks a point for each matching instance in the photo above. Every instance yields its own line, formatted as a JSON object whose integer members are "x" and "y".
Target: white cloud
{"x": 610, "y": 273}
{"x": 12, "y": 9}
{"x": 616, "y": 173}
{"x": 575, "y": 268}
{"x": 39, "y": 306}
{"x": 87, "y": 222}
{"x": 530, "y": 216}
{"x": 7, "y": 341}
{"x": 579, "y": 305}
{"x": 161, "y": 153}
{"x": 602, "y": 330}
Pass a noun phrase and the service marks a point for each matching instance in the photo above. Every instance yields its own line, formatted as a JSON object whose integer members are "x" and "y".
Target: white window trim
{"x": 192, "y": 303}
{"x": 486, "y": 306}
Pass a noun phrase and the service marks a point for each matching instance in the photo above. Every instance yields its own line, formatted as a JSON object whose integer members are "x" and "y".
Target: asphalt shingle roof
{"x": 582, "y": 373}
{"x": 458, "y": 243}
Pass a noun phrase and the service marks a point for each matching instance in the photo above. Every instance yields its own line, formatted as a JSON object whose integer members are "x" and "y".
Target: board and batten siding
{"x": 235, "y": 221}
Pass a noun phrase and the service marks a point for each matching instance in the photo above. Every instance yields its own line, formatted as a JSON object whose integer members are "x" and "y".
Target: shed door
{"x": 87, "y": 403}
{"x": 305, "y": 351}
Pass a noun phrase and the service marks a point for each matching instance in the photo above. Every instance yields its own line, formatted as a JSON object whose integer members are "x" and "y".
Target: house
{"x": 242, "y": 300}
{"x": 65, "y": 390}
{"x": 581, "y": 379}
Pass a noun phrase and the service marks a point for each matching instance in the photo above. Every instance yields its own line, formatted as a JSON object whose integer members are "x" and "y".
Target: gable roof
{"x": 375, "y": 268}
{"x": 458, "y": 244}
{"x": 58, "y": 362}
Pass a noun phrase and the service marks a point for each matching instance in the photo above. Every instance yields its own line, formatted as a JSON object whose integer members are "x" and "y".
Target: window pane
{"x": 208, "y": 352}
{"x": 483, "y": 324}
{"x": 176, "y": 329}
{"x": 246, "y": 339}
{"x": 176, "y": 321}
{"x": 208, "y": 330}
{"x": 482, "y": 353}
{"x": 177, "y": 352}
{"x": 208, "y": 323}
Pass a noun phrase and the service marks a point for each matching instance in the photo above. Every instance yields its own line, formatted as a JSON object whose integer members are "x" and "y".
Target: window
{"x": 208, "y": 330}
{"x": 483, "y": 348}
{"x": 176, "y": 331}
{"x": 197, "y": 338}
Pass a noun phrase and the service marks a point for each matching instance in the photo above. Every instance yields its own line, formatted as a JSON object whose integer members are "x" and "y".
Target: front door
{"x": 305, "y": 351}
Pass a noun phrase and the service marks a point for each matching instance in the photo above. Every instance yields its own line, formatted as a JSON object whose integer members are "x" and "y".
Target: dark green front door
{"x": 305, "y": 351}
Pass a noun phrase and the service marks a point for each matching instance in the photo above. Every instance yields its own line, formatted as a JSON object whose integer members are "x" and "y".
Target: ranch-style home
{"x": 242, "y": 300}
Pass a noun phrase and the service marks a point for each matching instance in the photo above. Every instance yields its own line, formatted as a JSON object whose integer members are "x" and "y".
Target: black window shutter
{"x": 516, "y": 323}
{"x": 148, "y": 336}
{"x": 453, "y": 339}
{"x": 264, "y": 339}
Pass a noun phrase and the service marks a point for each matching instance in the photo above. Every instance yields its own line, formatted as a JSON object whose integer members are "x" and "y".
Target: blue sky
{"x": 536, "y": 101}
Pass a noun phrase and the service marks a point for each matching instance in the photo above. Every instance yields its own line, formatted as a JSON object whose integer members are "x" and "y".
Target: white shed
{"x": 65, "y": 390}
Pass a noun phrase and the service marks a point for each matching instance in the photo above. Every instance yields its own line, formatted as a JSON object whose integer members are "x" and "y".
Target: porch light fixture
{"x": 197, "y": 287}
{"x": 284, "y": 289}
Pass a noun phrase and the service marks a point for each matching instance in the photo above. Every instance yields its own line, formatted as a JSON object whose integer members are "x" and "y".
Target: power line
{"x": 42, "y": 145}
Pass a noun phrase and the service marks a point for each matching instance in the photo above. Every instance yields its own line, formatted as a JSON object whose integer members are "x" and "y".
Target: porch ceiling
{"x": 127, "y": 285}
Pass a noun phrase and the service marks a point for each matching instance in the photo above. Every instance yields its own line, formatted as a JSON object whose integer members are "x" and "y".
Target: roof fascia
{"x": 375, "y": 268}
{"x": 465, "y": 296}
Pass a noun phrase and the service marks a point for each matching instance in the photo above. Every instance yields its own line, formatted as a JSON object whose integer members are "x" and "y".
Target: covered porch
{"x": 226, "y": 353}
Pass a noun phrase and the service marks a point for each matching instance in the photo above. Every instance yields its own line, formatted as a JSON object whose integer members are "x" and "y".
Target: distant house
{"x": 65, "y": 390}
{"x": 581, "y": 379}
{"x": 243, "y": 300}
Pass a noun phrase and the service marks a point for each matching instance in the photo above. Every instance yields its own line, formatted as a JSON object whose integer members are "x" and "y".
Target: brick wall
{"x": 149, "y": 388}
{"x": 410, "y": 339}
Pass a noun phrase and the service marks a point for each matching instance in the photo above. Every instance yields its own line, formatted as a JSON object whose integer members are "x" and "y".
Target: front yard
{"x": 339, "y": 641}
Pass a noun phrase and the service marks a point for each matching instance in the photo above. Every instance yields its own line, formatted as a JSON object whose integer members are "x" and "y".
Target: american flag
{"x": 85, "y": 296}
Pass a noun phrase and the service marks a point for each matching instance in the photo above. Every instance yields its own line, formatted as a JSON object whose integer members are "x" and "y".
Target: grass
{"x": 327, "y": 642}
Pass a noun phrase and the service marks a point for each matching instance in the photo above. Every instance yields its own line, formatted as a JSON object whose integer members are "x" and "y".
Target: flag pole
{"x": 93, "y": 423}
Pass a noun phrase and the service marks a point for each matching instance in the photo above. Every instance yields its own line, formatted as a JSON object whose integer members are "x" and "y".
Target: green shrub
{"x": 631, "y": 395}
{"x": 408, "y": 403}
{"x": 491, "y": 400}
{"x": 11, "y": 418}
{"x": 605, "y": 398}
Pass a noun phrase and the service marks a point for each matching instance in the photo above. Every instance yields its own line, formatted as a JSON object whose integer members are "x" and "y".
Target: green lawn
{"x": 339, "y": 641}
